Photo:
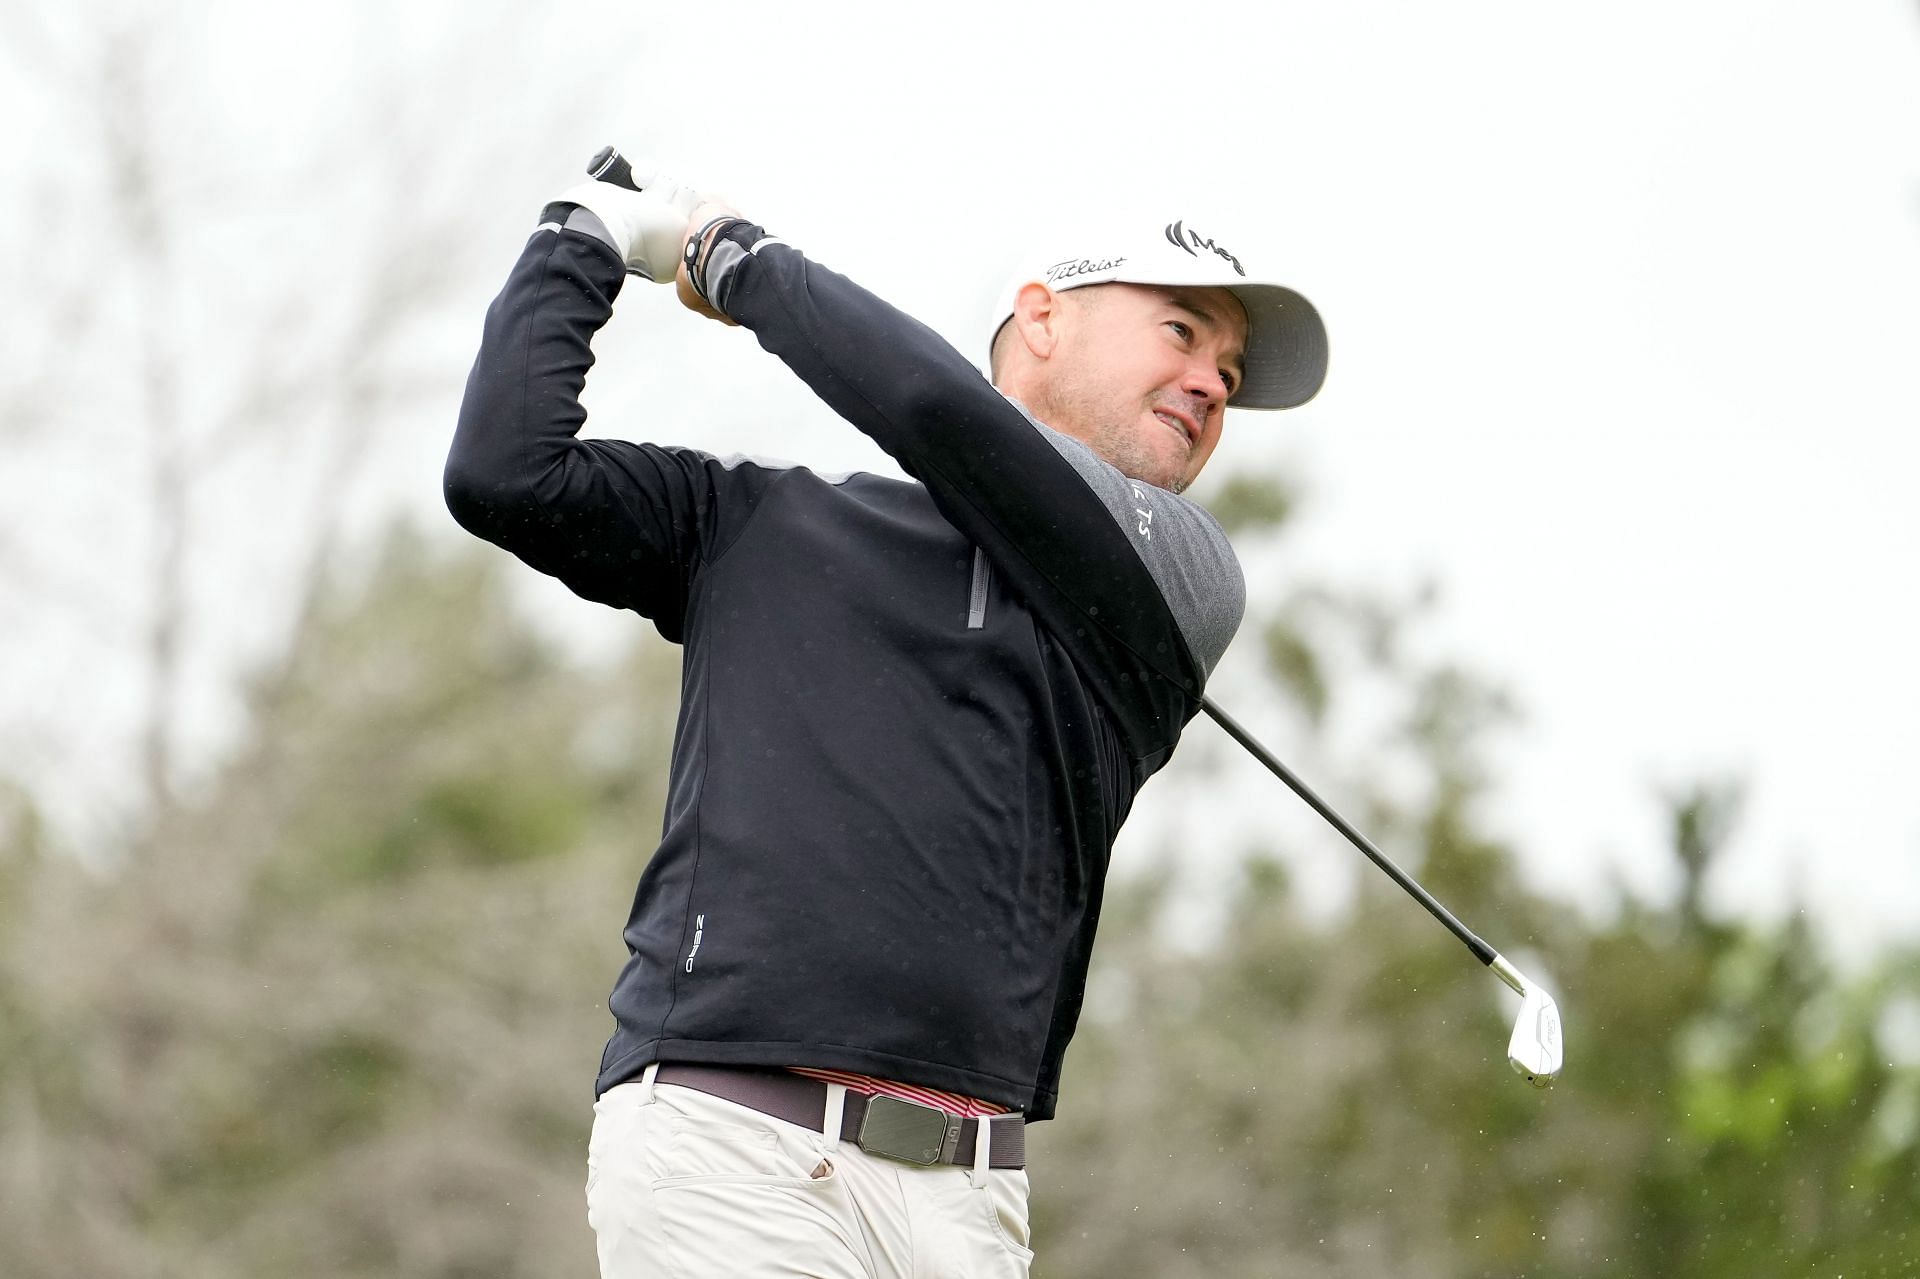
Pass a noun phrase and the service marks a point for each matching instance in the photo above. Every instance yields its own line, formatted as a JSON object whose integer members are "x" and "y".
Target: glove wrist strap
{"x": 694, "y": 256}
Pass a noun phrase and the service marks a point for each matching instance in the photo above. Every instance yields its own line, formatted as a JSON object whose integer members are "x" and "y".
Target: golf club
{"x": 1534, "y": 1051}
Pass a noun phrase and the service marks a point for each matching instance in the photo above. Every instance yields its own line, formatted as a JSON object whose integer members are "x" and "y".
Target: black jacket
{"x": 913, "y": 715}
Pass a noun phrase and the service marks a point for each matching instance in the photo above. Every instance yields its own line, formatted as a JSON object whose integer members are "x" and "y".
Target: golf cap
{"x": 1286, "y": 356}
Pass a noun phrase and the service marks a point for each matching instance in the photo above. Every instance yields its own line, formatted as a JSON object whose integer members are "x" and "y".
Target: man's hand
{"x": 690, "y": 298}
{"x": 648, "y": 226}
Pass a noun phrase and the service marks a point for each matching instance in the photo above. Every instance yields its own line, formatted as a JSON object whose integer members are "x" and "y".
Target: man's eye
{"x": 1230, "y": 381}
{"x": 1185, "y": 333}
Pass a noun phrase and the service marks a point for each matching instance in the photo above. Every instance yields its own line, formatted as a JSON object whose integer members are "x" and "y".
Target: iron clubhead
{"x": 1534, "y": 1052}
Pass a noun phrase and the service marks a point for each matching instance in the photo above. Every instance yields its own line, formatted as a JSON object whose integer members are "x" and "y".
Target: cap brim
{"x": 1286, "y": 357}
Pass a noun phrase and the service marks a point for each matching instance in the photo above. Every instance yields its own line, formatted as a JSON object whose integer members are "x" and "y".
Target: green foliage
{"x": 339, "y": 1017}
{"x": 1254, "y": 503}
{"x": 1328, "y": 1096}
{"x": 1295, "y": 662}
{"x": 383, "y": 689}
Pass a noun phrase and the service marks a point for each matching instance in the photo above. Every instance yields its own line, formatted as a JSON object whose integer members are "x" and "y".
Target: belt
{"x": 879, "y": 1125}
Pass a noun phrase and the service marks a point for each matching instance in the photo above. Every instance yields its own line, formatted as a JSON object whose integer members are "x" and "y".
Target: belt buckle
{"x": 908, "y": 1131}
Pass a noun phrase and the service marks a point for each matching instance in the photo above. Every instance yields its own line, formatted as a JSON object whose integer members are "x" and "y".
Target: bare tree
{"x": 232, "y": 315}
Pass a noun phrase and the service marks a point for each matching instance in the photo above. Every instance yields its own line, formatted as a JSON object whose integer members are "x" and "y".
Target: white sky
{"x": 1624, "y": 303}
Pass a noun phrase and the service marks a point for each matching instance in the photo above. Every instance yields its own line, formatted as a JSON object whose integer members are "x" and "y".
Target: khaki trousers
{"x": 682, "y": 1185}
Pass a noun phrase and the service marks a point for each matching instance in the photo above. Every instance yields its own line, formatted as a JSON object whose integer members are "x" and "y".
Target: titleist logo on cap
{"x": 1074, "y": 267}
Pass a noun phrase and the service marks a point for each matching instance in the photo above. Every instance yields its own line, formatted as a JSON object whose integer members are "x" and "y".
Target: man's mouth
{"x": 1188, "y": 428}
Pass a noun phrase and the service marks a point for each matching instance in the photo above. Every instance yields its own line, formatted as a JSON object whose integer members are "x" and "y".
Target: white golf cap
{"x": 1286, "y": 356}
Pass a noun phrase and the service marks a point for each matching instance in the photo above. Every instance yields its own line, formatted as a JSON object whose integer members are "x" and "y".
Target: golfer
{"x": 914, "y": 713}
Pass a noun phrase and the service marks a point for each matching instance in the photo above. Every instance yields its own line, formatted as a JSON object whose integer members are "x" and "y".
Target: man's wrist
{"x": 698, "y": 248}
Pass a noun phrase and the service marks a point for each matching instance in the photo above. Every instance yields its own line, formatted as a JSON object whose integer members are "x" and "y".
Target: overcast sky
{"x": 1624, "y": 305}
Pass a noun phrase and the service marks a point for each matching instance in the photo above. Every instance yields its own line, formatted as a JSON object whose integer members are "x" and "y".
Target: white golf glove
{"x": 647, "y": 226}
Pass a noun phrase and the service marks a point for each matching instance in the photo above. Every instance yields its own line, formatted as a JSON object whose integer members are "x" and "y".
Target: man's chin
{"x": 1167, "y": 473}
{"x": 1172, "y": 474}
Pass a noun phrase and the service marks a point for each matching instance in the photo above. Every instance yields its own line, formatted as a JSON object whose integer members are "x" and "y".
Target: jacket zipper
{"x": 977, "y": 601}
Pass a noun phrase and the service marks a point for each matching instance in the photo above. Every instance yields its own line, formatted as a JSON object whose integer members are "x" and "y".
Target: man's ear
{"x": 1036, "y": 318}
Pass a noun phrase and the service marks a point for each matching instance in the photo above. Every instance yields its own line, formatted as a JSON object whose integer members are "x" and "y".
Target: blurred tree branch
{"x": 1702, "y": 816}
{"x": 219, "y": 329}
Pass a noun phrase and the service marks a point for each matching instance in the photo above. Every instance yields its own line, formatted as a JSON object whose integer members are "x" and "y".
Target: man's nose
{"x": 1208, "y": 389}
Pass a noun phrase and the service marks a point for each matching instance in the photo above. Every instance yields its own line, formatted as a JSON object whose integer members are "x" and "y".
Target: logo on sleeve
{"x": 699, "y": 930}
{"x": 1145, "y": 527}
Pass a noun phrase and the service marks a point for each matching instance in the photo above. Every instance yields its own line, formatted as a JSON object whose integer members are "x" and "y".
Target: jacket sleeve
{"x": 623, "y": 524}
{"x": 993, "y": 474}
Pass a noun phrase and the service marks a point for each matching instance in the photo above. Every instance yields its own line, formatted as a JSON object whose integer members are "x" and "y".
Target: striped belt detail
{"x": 880, "y": 1125}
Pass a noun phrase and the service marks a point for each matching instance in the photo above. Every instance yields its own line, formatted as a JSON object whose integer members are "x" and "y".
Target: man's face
{"x": 1142, "y": 374}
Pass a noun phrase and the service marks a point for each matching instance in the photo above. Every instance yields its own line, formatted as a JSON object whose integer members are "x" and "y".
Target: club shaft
{"x": 1481, "y": 951}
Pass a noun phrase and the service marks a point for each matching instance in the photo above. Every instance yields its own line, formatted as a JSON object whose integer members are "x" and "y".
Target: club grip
{"x": 608, "y": 165}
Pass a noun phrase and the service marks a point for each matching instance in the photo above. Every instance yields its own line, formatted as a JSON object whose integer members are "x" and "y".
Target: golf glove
{"x": 647, "y": 225}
